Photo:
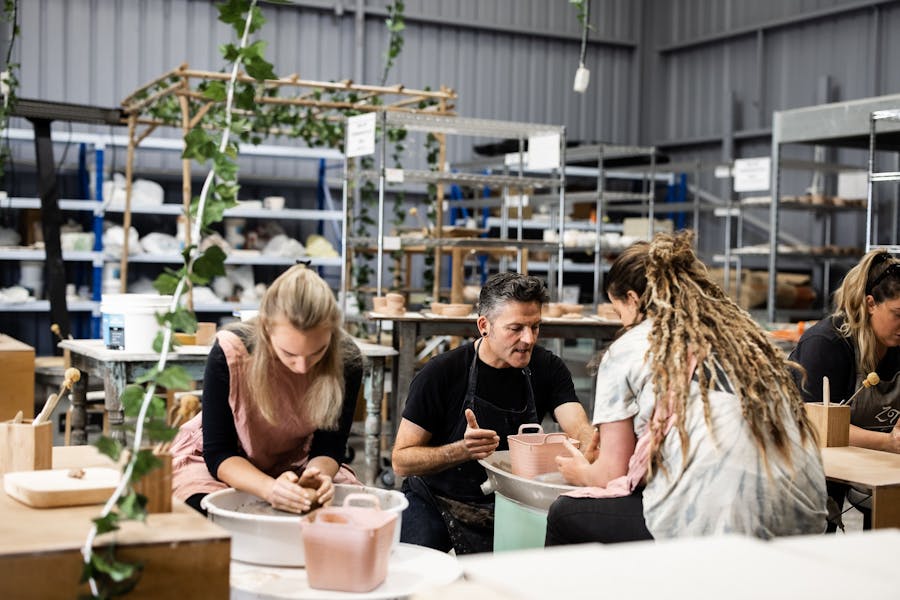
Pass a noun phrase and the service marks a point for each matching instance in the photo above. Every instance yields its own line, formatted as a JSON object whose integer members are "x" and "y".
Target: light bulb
{"x": 582, "y": 79}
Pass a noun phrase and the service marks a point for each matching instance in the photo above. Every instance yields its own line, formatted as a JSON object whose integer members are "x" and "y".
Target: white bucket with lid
{"x": 129, "y": 320}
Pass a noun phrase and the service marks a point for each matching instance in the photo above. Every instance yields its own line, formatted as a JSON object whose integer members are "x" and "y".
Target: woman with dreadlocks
{"x": 694, "y": 403}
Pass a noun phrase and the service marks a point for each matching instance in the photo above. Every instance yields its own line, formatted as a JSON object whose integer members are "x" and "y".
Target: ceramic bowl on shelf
{"x": 437, "y": 307}
{"x": 457, "y": 310}
{"x": 552, "y": 310}
{"x": 566, "y": 308}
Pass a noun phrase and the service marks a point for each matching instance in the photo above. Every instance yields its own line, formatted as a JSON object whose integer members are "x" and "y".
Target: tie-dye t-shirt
{"x": 723, "y": 485}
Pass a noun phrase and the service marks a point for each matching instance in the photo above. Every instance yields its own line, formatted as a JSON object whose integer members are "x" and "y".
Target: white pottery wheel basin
{"x": 263, "y": 535}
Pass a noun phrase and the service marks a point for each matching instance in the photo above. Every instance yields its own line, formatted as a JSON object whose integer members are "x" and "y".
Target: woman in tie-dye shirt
{"x": 730, "y": 447}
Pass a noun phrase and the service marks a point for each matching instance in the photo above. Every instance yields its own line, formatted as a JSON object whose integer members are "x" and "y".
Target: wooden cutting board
{"x": 55, "y": 488}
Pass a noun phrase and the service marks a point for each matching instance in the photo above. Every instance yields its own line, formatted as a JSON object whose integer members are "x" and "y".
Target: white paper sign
{"x": 391, "y": 242}
{"x": 543, "y": 151}
{"x": 360, "y": 135}
{"x": 752, "y": 174}
{"x": 393, "y": 175}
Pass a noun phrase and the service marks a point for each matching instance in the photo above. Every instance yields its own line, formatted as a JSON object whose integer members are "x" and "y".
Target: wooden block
{"x": 832, "y": 424}
{"x": 16, "y": 378}
{"x": 206, "y": 334}
{"x": 157, "y": 485}
{"x": 24, "y": 447}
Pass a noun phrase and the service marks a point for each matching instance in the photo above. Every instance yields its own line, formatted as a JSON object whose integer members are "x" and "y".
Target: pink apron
{"x": 272, "y": 448}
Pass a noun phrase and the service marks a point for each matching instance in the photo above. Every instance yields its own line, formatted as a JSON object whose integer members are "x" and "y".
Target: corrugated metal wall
{"x": 507, "y": 59}
{"x": 697, "y": 77}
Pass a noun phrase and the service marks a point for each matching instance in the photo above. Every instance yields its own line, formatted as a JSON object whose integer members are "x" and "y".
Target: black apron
{"x": 876, "y": 408}
{"x": 456, "y": 492}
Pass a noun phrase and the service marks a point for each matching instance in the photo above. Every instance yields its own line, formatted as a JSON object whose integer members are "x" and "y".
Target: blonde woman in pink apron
{"x": 860, "y": 337}
{"x": 279, "y": 393}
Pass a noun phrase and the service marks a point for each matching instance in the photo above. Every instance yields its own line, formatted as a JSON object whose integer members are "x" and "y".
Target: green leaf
{"x": 117, "y": 571}
{"x": 211, "y": 263}
{"x": 133, "y": 505}
{"x": 166, "y": 284}
{"x": 144, "y": 462}
{"x": 184, "y": 320}
{"x": 174, "y": 377}
{"x": 259, "y": 69}
{"x": 158, "y": 430}
{"x": 133, "y": 395}
{"x": 109, "y": 447}
{"x": 106, "y": 524}
{"x": 198, "y": 145}
{"x": 215, "y": 91}
{"x": 157, "y": 408}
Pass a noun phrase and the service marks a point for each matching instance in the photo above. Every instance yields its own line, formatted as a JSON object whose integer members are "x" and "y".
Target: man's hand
{"x": 574, "y": 467}
{"x": 320, "y": 483}
{"x": 479, "y": 443}
{"x": 287, "y": 494}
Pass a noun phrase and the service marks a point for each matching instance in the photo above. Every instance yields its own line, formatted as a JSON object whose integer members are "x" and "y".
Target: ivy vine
{"x": 10, "y": 79}
{"x": 396, "y": 24}
{"x": 144, "y": 410}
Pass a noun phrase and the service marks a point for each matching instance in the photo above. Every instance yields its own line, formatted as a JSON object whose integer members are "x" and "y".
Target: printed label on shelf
{"x": 361, "y": 135}
{"x": 393, "y": 175}
{"x": 391, "y": 242}
{"x": 722, "y": 172}
{"x": 512, "y": 159}
{"x": 543, "y": 151}
{"x": 752, "y": 174}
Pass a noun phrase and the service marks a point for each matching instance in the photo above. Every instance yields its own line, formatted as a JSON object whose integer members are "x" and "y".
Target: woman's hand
{"x": 591, "y": 450}
{"x": 894, "y": 440}
{"x": 573, "y": 467}
{"x": 319, "y": 483}
{"x": 479, "y": 443}
{"x": 288, "y": 494}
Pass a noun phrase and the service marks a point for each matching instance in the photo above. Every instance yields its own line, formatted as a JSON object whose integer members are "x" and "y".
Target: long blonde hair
{"x": 693, "y": 317}
{"x": 850, "y": 304}
{"x": 302, "y": 299}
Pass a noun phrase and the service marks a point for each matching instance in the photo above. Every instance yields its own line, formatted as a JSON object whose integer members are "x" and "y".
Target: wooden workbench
{"x": 184, "y": 555}
{"x": 878, "y": 472}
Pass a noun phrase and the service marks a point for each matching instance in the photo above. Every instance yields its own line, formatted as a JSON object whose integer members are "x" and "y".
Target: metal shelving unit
{"x": 888, "y": 116}
{"x": 458, "y": 126}
{"x": 838, "y": 125}
{"x": 99, "y": 209}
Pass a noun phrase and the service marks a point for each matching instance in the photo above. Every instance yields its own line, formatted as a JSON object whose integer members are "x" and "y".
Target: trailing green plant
{"x": 9, "y": 80}
{"x": 582, "y": 7}
{"x": 396, "y": 24}
{"x": 144, "y": 410}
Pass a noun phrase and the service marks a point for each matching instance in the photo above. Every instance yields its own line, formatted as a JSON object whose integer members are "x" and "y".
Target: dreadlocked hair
{"x": 694, "y": 318}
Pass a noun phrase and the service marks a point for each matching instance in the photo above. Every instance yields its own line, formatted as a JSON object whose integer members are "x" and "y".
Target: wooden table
{"x": 414, "y": 325}
{"x": 118, "y": 368}
{"x": 878, "y": 472}
{"x": 711, "y": 568}
{"x": 184, "y": 555}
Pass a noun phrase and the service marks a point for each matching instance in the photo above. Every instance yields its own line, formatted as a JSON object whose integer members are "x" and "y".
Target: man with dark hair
{"x": 463, "y": 405}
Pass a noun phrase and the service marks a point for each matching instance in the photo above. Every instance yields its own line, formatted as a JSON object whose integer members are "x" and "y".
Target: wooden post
{"x": 126, "y": 217}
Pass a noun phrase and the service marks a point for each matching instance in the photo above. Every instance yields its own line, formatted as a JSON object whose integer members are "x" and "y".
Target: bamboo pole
{"x": 186, "y": 183}
{"x": 126, "y": 217}
{"x": 439, "y": 210}
{"x": 165, "y": 75}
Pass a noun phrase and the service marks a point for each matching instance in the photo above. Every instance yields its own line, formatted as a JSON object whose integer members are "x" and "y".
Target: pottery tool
{"x": 826, "y": 392}
{"x": 71, "y": 376}
{"x": 871, "y": 380}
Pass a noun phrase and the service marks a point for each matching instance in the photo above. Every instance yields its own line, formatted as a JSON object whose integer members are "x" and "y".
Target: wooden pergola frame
{"x": 135, "y": 108}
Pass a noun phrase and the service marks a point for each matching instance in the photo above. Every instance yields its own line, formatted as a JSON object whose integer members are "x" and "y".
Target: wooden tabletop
{"x": 861, "y": 466}
{"x": 184, "y": 555}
